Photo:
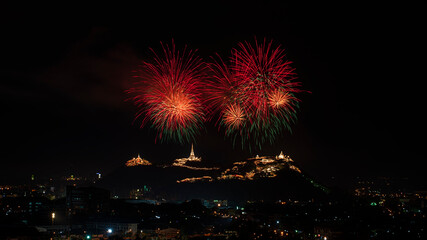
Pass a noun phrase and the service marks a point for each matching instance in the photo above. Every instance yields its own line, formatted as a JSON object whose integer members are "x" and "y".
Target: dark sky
{"x": 65, "y": 68}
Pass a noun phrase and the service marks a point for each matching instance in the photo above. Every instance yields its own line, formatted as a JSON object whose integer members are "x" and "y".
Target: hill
{"x": 260, "y": 178}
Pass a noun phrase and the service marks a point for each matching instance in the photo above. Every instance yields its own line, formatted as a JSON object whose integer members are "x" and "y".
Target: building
{"x": 28, "y": 209}
{"x": 259, "y": 167}
{"x": 168, "y": 233}
{"x": 113, "y": 227}
{"x": 86, "y": 199}
{"x": 140, "y": 193}
{"x": 283, "y": 157}
{"x": 184, "y": 162}
{"x": 221, "y": 204}
{"x": 137, "y": 161}
{"x": 192, "y": 158}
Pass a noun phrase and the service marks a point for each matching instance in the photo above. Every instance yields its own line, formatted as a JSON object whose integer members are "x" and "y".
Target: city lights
{"x": 53, "y": 218}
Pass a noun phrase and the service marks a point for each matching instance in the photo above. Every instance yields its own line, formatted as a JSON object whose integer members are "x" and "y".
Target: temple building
{"x": 187, "y": 162}
{"x": 265, "y": 166}
{"x": 283, "y": 157}
{"x": 192, "y": 158}
{"x": 137, "y": 161}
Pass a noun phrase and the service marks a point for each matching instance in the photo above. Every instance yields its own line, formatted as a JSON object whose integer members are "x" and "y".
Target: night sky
{"x": 65, "y": 68}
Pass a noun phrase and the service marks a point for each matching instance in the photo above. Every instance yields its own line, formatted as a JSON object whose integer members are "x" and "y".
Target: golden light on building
{"x": 296, "y": 169}
{"x": 195, "y": 179}
{"x": 192, "y": 158}
{"x": 137, "y": 161}
{"x": 182, "y": 162}
{"x": 265, "y": 166}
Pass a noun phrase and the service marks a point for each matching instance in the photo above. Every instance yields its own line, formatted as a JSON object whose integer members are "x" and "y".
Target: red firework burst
{"x": 168, "y": 94}
{"x": 262, "y": 71}
{"x": 254, "y": 95}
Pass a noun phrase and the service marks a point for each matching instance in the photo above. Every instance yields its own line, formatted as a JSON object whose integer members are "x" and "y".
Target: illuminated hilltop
{"x": 138, "y": 161}
{"x": 183, "y": 162}
{"x": 250, "y": 169}
{"x": 259, "y": 167}
{"x": 252, "y": 178}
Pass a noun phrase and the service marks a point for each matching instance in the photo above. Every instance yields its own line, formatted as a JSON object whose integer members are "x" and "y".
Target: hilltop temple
{"x": 283, "y": 157}
{"x": 137, "y": 161}
{"x": 265, "y": 166}
{"x": 182, "y": 161}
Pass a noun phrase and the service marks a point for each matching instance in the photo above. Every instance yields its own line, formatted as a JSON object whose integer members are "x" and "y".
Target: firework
{"x": 278, "y": 99}
{"x": 255, "y": 94}
{"x": 234, "y": 116}
{"x": 168, "y": 94}
{"x": 263, "y": 71}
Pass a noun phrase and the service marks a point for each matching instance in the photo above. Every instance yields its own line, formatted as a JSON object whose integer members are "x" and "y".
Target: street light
{"x": 53, "y": 217}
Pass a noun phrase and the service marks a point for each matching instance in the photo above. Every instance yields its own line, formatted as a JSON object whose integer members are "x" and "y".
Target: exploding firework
{"x": 255, "y": 94}
{"x": 168, "y": 94}
{"x": 263, "y": 73}
{"x": 234, "y": 116}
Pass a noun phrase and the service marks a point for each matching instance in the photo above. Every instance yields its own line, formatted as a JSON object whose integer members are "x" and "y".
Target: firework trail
{"x": 168, "y": 93}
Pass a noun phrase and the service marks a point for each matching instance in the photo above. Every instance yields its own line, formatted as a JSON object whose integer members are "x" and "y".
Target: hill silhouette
{"x": 162, "y": 182}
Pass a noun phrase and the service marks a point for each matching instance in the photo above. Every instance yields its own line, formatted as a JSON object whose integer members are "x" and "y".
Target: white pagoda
{"x": 191, "y": 158}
